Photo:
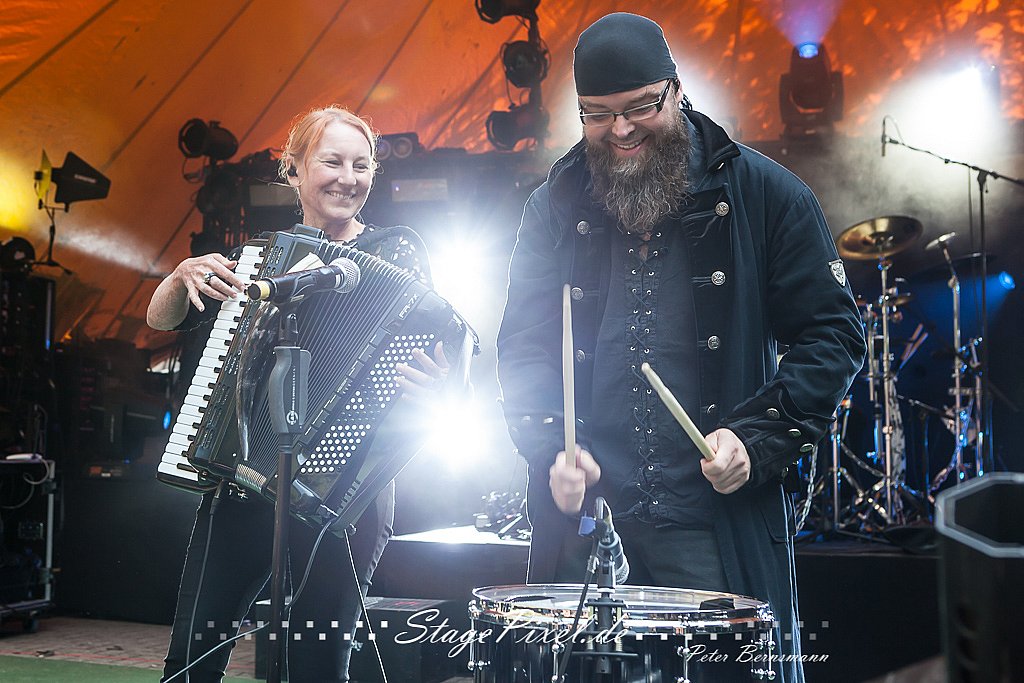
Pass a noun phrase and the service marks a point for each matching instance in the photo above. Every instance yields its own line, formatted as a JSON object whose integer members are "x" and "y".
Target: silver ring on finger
{"x": 207, "y": 276}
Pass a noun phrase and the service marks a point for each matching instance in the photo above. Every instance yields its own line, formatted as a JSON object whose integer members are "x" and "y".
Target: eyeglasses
{"x": 640, "y": 113}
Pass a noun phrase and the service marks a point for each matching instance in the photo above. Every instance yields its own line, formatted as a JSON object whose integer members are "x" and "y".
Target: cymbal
{"x": 878, "y": 237}
{"x": 894, "y": 300}
{"x": 964, "y": 266}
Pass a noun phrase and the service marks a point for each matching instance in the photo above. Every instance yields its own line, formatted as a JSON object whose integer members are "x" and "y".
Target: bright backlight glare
{"x": 456, "y": 432}
{"x": 458, "y": 272}
{"x": 954, "y": 114}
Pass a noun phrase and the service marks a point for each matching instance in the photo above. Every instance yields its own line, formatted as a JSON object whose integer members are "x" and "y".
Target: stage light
{"x": 16, "y": 255}
{"x": 198, "y": 139}
{"x": 505, "y": 129}
{"x": 221, "y": 192}
{"x": 398, "y": 146}
{"x": 493, "y": 11}
{"x": 810, "y": 94}
{"x": 526, "y": 63}
{"x": 807, "y": 50}
{"x": 1006, "y": 281}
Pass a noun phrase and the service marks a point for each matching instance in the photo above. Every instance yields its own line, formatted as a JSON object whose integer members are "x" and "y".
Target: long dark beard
{"x": 641, "y": 191}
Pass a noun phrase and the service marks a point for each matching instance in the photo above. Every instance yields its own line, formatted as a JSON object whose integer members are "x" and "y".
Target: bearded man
{"x": 699, "y": 256}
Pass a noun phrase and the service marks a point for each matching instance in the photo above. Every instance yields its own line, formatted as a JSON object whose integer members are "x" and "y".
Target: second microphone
{"x": 341, "y": 275}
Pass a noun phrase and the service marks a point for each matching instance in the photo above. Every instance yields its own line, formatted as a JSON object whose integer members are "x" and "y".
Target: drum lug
{"x": 477, "y": 665}
{"x": 767, "y": 644}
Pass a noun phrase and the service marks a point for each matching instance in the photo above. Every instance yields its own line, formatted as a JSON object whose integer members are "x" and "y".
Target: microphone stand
{"x": 287, "y": 393}
{"x": 51, "y": 212}
{"x": 985, "y": 408}
{"x": 605, "y": 606}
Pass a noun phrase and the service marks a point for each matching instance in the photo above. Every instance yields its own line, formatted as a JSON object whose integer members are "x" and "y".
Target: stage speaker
{"x": 981, "y": 578}
{"x": 122, "y": 545}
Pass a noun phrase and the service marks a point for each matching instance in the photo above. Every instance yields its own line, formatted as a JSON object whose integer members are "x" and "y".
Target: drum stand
{"x": 877, "y": 239}
{"x": 882, "y": 391}
{"x": 963, "y": 416}
{"x": 881, "y": 505}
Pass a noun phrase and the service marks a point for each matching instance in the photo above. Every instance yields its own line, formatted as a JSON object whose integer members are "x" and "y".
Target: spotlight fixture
{"x": 200, "y": 139}
{"x": 221, "y": 193}
{"x": 16, "y": 255}
{"x": 811, "y": 94}
{"x": 506, "y": 128}
{"x": 526, "y": 63}
{"x": 493, "y": 11}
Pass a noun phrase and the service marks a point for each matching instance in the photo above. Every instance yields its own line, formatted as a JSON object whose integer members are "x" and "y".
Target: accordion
{"x": 357, "y": 434}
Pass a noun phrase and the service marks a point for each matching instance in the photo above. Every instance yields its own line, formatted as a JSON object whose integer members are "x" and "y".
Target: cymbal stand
{"x": 885, "y": 405}
{"x": 961, "y": 416}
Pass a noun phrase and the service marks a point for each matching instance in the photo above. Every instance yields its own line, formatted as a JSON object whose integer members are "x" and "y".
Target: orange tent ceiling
{"x": 114, "y": 81}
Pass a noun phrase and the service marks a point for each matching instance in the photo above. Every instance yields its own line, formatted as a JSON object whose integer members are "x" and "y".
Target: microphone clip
{"x": 612, "y": 564}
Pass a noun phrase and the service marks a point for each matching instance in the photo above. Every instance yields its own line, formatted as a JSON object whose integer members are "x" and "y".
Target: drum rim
{"x": 488, "y": 607}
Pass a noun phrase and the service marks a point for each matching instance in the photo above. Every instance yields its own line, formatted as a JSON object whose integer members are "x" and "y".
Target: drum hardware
{"x": 877, "y": 239}
{"x": 664, "y": 635}
{"x": 967, "y": 400}
{"x": 984, "y": 411}
{"x": 608, "y": 562}
{"x": 873, "y": 507}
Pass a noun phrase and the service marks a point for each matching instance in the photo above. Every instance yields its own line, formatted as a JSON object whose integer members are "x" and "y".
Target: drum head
{"x": 646, "y": 609}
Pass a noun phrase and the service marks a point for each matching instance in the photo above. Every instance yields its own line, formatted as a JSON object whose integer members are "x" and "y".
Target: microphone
{"x": 884, "y": 138}
{"x": 610, "y": 543}
{"x": 341, "y": 275}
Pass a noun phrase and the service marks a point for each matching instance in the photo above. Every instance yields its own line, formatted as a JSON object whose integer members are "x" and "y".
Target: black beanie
{"x": 621, "y": 52}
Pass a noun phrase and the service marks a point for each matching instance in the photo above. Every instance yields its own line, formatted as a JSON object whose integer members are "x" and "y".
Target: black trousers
{"x": 667, "y": 556}
{"x": 237, "y": 566}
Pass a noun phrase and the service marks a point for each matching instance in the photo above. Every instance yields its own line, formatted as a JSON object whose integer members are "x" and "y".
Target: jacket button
{"x": 721, "y": 208}
{"x": 583, "y": 228}
{"x": 807, "y": 448}
{"x": 576, "y": 293}
{"x": 794, "y": 433}
{"x": 718, "y": 278}
{"x": 772, "y": 413}
{"x": 580, "y": 355}
{"x": 714, "y": 342}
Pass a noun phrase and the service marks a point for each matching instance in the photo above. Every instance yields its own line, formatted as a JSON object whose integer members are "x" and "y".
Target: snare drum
{"x": 659, "y": 635}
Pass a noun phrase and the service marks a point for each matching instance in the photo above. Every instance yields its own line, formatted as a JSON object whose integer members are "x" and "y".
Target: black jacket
{"x": 764, "y": 272}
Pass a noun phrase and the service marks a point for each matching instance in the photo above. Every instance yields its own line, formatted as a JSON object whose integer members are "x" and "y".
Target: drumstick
{"x": 677, "y": 412}
{"x": 568, "y": 380}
